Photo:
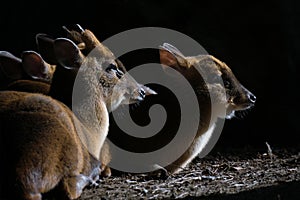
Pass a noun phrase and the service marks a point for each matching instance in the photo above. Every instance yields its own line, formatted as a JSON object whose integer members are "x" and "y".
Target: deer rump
{"x": 40, "y": 147}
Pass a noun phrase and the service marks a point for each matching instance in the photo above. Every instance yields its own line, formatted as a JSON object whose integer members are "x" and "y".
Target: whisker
{"x": 134, "y": 106}
{"x": 241, "y": 114}
{"x": 120, "y": 112}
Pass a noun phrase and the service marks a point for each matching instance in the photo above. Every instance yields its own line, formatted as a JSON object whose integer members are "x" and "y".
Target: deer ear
{"x": 10, "y": 66}
{"x": 34, "y": 65}
{"x": 67, "y": 53}
{"x": 45, "y": 46}
{"x": 74, "y": 33}
{"x": 170, "y": 56}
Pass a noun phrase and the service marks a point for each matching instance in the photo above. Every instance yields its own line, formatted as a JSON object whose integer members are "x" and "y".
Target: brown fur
{"x": 50, "y": 145}
{"x": 87, "y": 42}
{"x": 66, "y": 77}
{"x": 237, "y": 97}
{"x": 42, "y": 136}
{"x": 29, "y": 86}
{"x": 62, "y": 82}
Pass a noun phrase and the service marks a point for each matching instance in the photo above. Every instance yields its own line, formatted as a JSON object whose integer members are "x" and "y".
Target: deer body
{"x": 87, "y": 42}
{"x": 29, "y": 86}
{"x": 52, "y": 146}
{"x": 45, "y": 144}
{"x": 235, "y": 97}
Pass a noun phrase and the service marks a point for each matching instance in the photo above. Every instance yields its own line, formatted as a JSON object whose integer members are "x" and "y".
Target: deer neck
{"x": 204, "y": 133}
{"x": 90, "y": 108}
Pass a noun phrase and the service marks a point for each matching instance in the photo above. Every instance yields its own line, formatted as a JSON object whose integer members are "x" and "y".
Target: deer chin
{"x": 123, "y": 101}
{"x": 232, "y": 108}
{"x": 135, "y": 100}
{"x": 230, "y": 111}
{"x": 113, "y": 105}
{"x": 230, "y": 115}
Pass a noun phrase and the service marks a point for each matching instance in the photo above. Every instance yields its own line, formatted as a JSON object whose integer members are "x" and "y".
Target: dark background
{"x": 259, "y": 40}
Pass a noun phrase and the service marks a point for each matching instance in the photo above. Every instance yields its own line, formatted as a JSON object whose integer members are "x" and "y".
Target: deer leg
{"x": 105, "y": 171}
{"x": 94, "y": 176}
{"x": 159, "y": 172}
{"x": 36, "y": 196}
{"x": 74, "y": 185}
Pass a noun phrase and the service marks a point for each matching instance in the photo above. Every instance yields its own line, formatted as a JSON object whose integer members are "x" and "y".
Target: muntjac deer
{"x": 45, "y": 144}
{"x": 65, "y": 75}
{"x": 22, "y": 73}
{"x": 236, "y": 98}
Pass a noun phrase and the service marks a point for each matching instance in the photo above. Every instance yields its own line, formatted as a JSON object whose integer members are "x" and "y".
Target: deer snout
{"x": 147, "y": 90}
{"x": 251, "y": 98}
{"x": 243, "y": 99}
{"x": 142, "y": 93}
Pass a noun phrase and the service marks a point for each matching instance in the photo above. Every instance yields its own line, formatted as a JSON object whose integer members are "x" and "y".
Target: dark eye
{"x": 114, "y": 68}
{"x": 111, "y": 67}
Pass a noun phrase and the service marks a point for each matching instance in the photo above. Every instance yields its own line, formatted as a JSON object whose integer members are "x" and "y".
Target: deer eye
{"x": 114, "y": 68}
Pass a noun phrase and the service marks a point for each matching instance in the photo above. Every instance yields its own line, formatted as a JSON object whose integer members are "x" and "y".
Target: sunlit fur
{"x": 216, "y": 87}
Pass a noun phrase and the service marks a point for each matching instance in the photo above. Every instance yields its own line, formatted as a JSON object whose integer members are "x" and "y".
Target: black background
{"x": 259, "y": 40}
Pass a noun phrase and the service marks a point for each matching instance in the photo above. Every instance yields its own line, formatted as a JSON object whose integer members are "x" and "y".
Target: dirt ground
{"x": 236, "y": 174}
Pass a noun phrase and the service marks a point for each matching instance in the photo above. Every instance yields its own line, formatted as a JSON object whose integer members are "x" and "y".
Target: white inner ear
{"x": 67, "y": 45}
{"x": 42, "y": 72}
{"x": 35, "y": 70}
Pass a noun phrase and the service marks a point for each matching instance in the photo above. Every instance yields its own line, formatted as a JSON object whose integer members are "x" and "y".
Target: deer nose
{"x": 142, "y": 93}
{"x": 251, "y": 97}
